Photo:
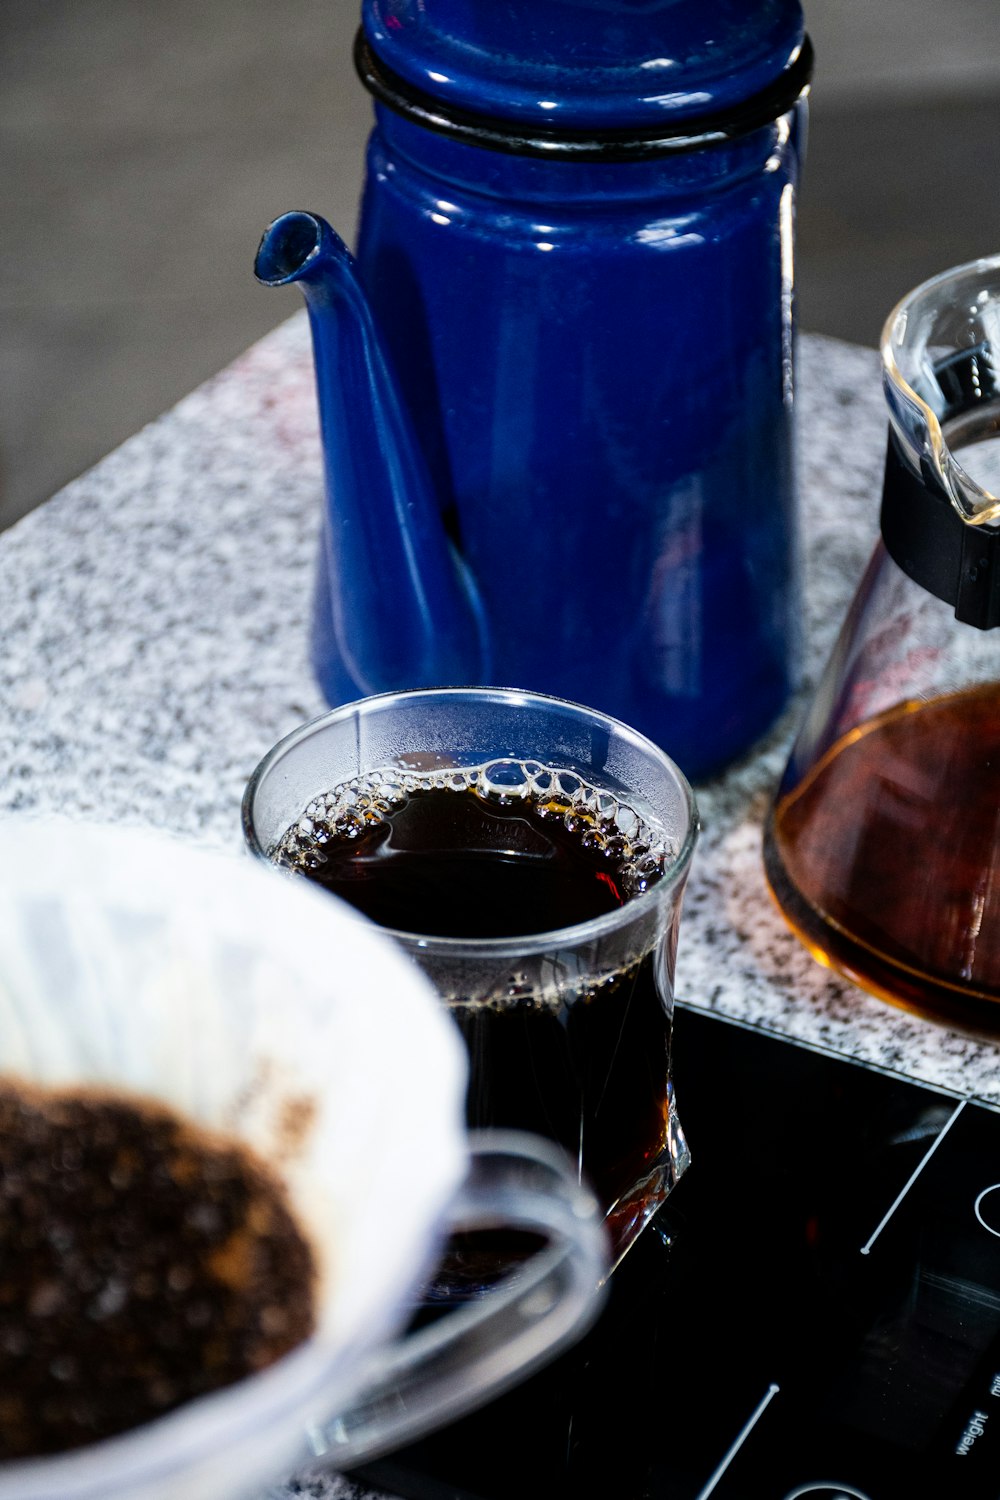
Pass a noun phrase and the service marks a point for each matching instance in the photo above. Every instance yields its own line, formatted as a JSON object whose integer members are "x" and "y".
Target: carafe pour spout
{"x": 403, "y": 606}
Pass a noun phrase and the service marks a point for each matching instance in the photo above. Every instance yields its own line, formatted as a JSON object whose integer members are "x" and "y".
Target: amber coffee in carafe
{"x": 883, "y": 843}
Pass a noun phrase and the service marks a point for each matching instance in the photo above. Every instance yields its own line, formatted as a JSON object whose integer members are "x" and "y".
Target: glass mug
{"x": 192, "y": 982}
{"x": 530, "y": 856}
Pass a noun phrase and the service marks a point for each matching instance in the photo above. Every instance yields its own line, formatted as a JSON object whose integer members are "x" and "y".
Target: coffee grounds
{"x": 143, "y": 1262}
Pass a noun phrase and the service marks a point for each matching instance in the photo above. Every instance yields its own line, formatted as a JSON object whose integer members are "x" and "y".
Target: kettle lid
{"x": 587, "y": 64}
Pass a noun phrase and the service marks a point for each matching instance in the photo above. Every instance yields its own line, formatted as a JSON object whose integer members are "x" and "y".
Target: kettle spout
{"x": 404, "y": 611}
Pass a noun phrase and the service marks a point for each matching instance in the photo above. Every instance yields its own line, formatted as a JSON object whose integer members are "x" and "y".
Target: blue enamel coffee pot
{"x": 556, "y": 384}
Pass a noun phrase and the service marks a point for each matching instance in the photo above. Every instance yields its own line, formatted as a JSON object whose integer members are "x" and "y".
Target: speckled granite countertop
{"x": 154, "y": 632}
{"x": 154, "y": 635}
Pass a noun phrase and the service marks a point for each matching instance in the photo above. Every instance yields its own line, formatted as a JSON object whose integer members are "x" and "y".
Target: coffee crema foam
{"x": 639, "y": 849}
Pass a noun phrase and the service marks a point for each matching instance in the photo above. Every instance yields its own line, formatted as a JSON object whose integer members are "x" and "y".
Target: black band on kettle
{"x": 529, "y": 138}
{"x": 925, "y": 535}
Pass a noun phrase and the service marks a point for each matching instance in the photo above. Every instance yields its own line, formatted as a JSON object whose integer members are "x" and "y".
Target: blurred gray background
{"x": 145, "y": 144}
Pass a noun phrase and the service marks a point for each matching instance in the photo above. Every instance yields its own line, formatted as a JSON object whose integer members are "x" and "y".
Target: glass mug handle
{"x": 436, "y": 1373}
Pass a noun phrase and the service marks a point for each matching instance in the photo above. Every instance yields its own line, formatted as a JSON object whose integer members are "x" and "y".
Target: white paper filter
{"x": 256, "y": 1005}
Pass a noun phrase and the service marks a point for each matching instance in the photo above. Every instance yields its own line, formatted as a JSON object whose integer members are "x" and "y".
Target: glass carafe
{"x": 882, "y": 846}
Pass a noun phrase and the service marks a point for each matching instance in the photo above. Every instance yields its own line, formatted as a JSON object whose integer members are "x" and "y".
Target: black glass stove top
{"x": 818, "y": 1315}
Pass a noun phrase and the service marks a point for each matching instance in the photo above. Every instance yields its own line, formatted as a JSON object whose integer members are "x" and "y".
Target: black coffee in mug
{"x": 530, "y": 857}
{"x": 501, "y": 851}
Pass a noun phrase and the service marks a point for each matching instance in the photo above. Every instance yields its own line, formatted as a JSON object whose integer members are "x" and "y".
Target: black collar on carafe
{"x": 953, "y": 559}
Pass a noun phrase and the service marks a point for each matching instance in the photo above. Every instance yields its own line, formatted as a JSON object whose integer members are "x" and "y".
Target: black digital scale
{"x": 815, "y": 1315}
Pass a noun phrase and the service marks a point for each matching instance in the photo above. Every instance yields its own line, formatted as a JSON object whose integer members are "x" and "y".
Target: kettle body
{"x": 593, "y": 338}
